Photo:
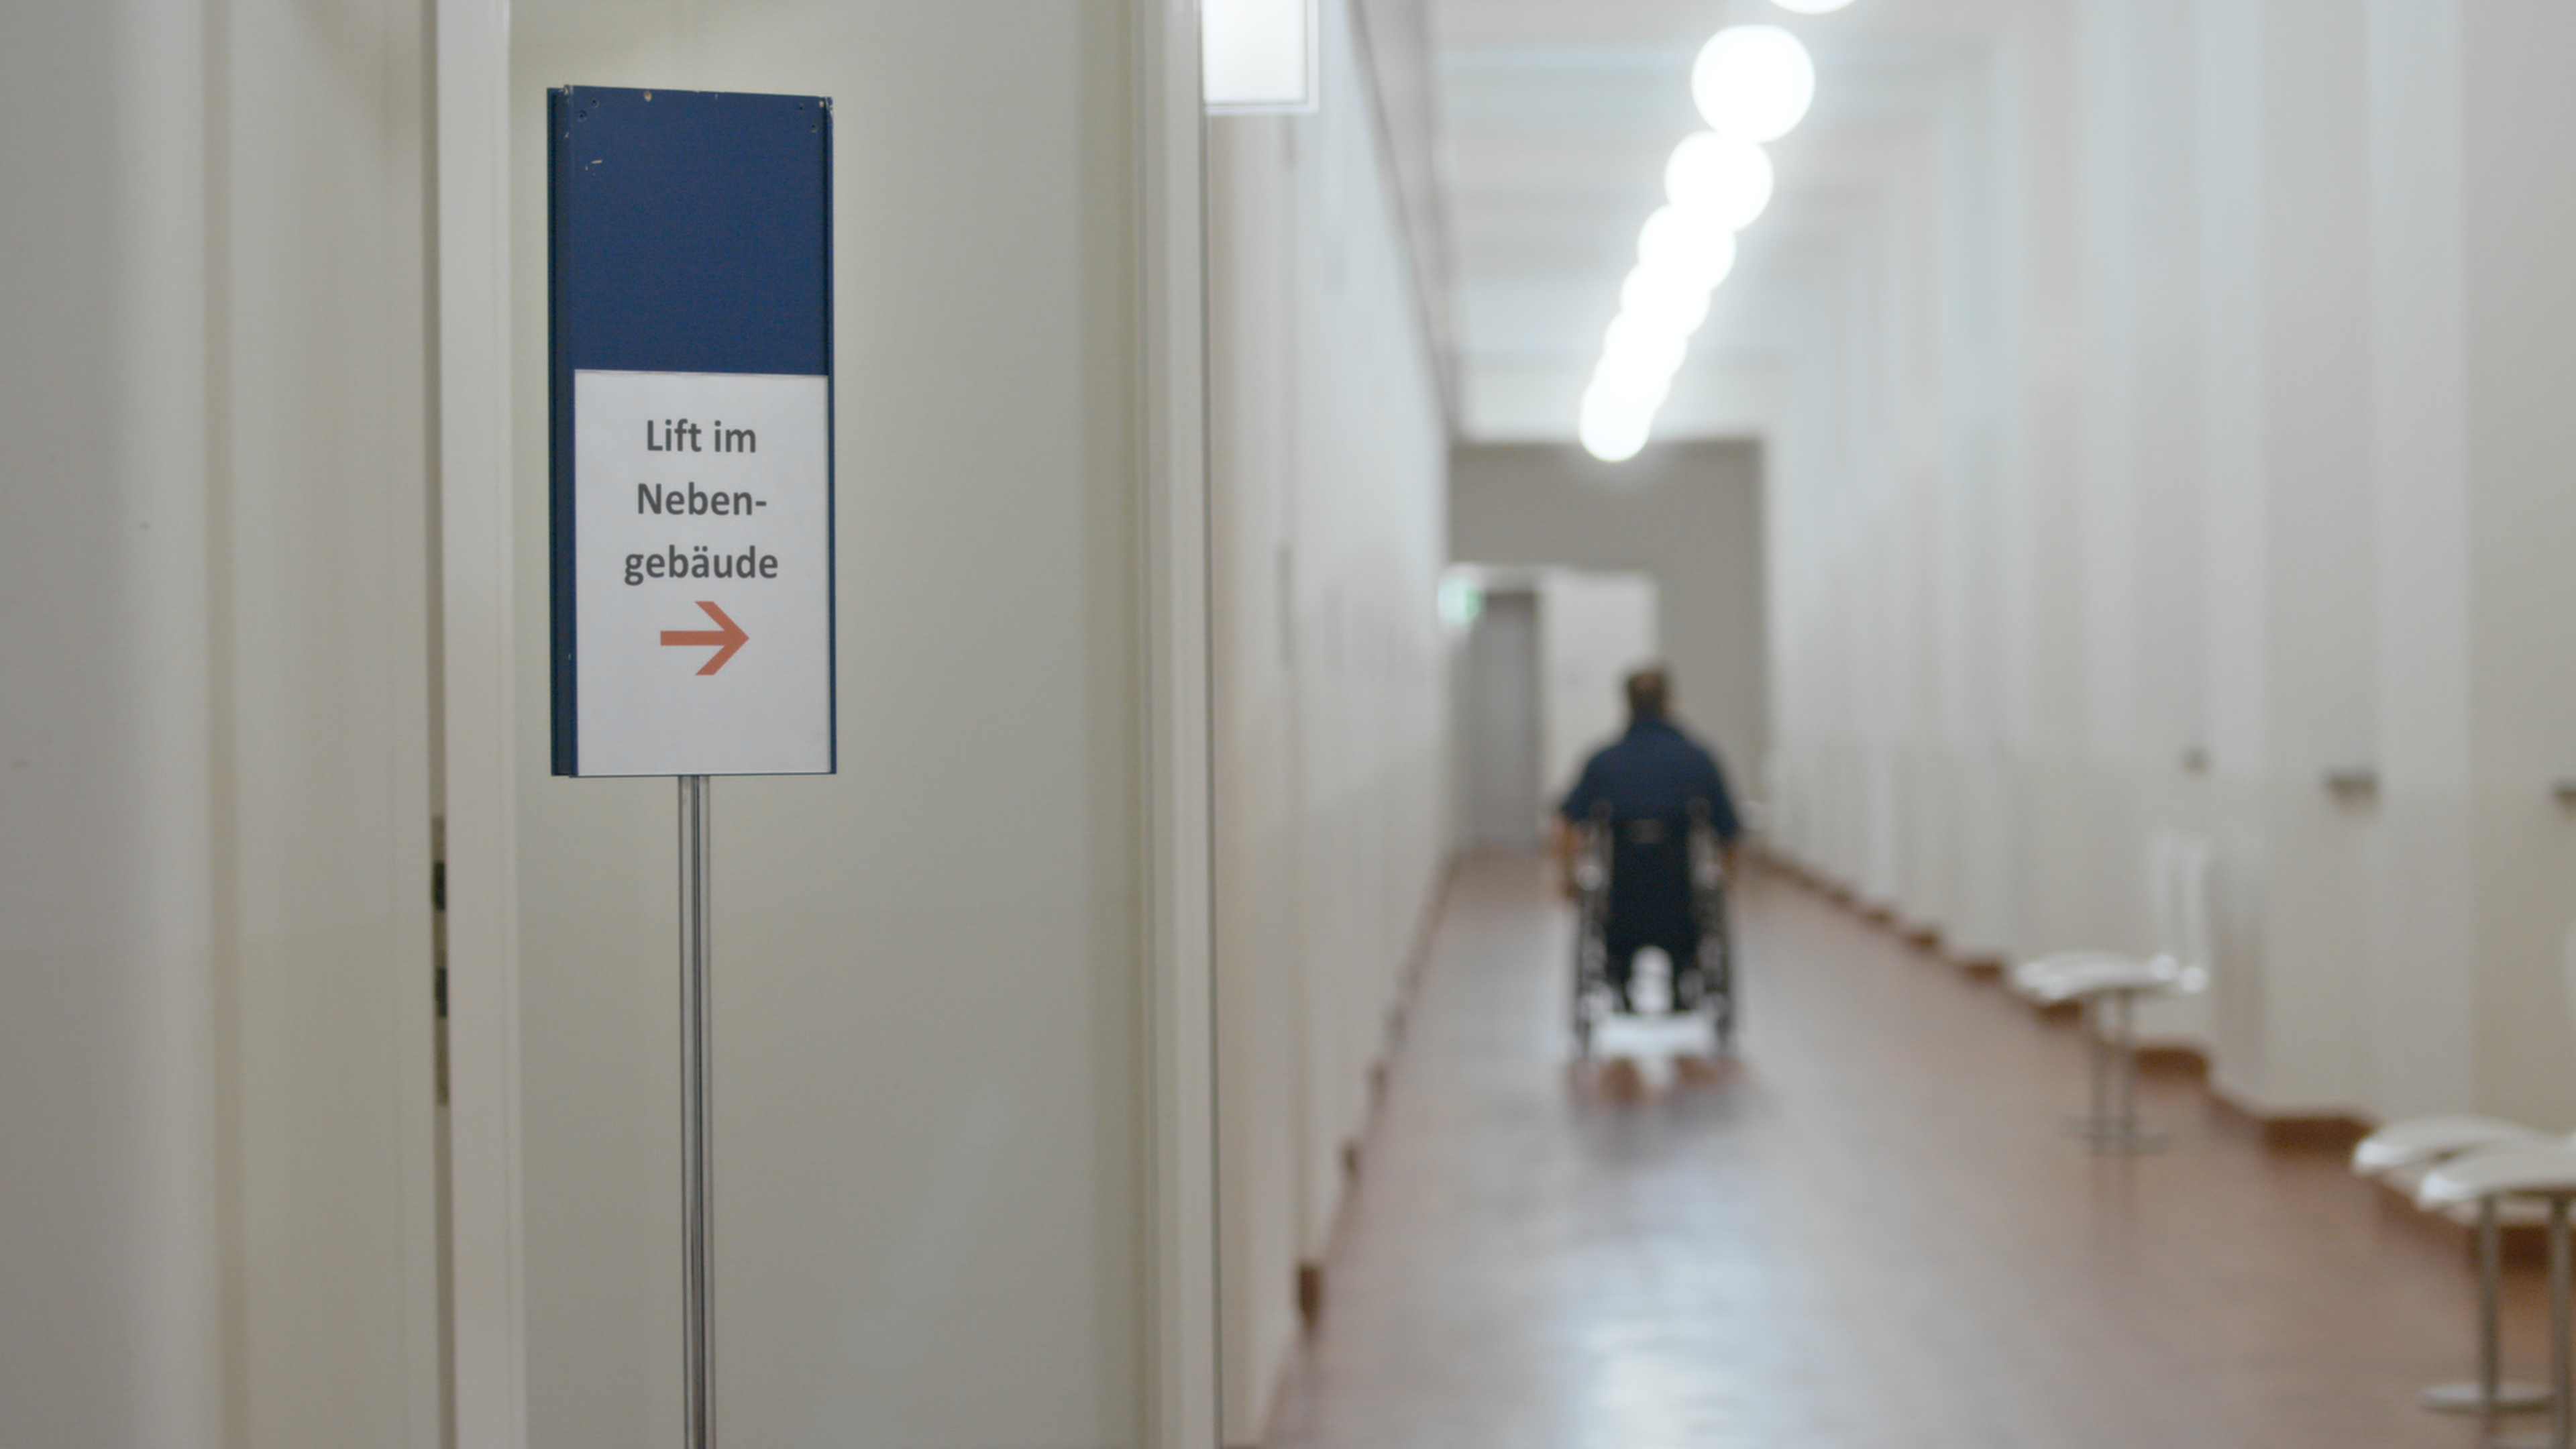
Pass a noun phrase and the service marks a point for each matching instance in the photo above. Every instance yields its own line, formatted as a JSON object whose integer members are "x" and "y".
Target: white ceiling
{"x": 1553, "y": 119}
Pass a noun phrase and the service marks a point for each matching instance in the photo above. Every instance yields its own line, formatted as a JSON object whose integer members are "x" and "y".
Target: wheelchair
{"x": 1648, "y": 846}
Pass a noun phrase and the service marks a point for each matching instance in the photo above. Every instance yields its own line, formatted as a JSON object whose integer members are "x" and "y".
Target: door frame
{"x": 485, "y": 1279}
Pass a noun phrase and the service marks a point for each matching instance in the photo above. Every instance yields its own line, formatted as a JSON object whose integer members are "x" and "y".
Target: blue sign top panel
{"x": 691, "y": 231}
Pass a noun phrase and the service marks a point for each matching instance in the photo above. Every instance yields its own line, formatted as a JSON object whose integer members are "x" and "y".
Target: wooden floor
{"x": 1866, "y": 1231}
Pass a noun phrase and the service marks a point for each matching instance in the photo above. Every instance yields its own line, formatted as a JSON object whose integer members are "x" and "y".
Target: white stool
{"x": 2418, "y": 1147}
{"x": 2549, "y": 1174}
{"x": 2109, "y": 985}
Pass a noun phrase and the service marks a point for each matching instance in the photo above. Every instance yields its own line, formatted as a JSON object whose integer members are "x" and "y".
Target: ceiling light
{"x": 1753, "y": 81}
{"x": 1723, "y": 180}
{"x": 1753, "y": 84}
{"x": 1643, "y": 343}
{"x": 1613, "y": 434}
{"x": 1686, "y": 245}
{"x": 1677, "y": 304}
{"x": 1637, "y": 384}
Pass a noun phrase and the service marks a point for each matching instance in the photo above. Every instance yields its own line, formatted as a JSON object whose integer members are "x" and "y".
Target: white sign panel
{"x": 702, "y": 568}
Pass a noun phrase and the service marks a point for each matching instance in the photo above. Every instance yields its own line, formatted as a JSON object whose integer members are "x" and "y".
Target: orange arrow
{"x": 726, "y": 640}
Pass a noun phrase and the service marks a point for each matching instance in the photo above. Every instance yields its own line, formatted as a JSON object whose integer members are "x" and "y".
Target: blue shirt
{"x": 1654, "y": 771}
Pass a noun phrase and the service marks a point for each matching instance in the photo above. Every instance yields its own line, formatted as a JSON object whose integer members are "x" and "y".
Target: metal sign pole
{"x": 696, "y": 1208}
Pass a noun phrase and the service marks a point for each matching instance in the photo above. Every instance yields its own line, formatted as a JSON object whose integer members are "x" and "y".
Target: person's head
{"x": 1649, "y": 693}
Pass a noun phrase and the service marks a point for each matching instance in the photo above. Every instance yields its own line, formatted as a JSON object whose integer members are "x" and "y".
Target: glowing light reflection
{"x": 1754, "y": 82}
{"x": 1751, "y": 83}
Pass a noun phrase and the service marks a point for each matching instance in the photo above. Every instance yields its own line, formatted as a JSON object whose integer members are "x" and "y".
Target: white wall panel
{"x": 214, "y": 771}
{"x": 2519, "y": 315}
{"x": 1332, "y": 823}
{"x": 930, "y": 1056}
{"x": 2267, "y": 357}
{"x": 108, "y": 1060}
{"x": 1594, "y": 630}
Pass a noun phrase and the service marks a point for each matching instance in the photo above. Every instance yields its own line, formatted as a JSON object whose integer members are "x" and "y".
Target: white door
{"x": 1499, "y": 726}
{"x": 1594, "y": 629}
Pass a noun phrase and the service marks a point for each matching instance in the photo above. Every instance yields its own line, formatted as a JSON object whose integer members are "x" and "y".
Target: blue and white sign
{"x": 692, "y": 408}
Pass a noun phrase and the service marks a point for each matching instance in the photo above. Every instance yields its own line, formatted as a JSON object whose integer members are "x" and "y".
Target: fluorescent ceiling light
{"x": 1723, "y": 180}
{"x": 1643, "y": 344}
{"x": 1684, "y": 244}
{"x": 1753, "y": 81}
{"x": 1676, "y": 304}
{"x": 1753, "y": 84}
{"x": 1640, "y": 393}
{"x": 1610, "y": 432}
{"x": 1260, "y": 56}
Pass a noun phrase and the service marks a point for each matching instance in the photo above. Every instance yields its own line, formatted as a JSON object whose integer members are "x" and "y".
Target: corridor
{"x": 1867, "y": 1231}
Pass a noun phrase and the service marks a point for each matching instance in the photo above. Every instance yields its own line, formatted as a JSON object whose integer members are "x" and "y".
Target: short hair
{"x": 1649, "y": 692}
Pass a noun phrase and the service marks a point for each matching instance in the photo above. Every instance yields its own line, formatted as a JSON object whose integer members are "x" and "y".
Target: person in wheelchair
{"x": 1649, "y": 788}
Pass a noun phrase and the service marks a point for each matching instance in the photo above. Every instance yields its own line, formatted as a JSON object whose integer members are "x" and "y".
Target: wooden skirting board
{"x": 1921, "y": 935}
{"x": 2295, "y": 1132}
{"x": 2173, "y": 1059}
{"x": 2322, "y": 1132}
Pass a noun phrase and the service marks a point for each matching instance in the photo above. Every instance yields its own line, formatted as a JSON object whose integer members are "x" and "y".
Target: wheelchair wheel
{"x": 1589, "y": 950}
{"x": 1591, "y": 882}
{"x": 1717, "y": 958}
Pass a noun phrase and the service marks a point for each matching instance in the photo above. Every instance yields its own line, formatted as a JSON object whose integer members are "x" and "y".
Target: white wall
{"x": 2518, "y": 306}
{"x": 937, "y": 1189}
{"x": 216, "y": 1085}
{"x": 1331, "y": 707}
{"x": 929, "y": 1062}
{"x": 1594, "y": 630}
{"x": 1688, "y": 515}
{"x": 2230, "y": 470}
{"x": 1591, "y": 631}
